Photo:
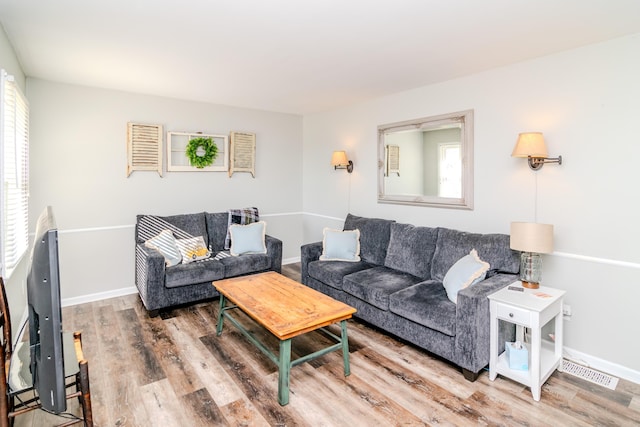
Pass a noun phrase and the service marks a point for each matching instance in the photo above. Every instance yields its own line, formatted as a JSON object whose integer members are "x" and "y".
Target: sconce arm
{"x": 536, "y": 163}
{"x": 348, "y": 167}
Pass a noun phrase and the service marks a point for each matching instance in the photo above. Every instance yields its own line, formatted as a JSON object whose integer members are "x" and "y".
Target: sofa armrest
{"x": 274, "y": 251}
{"x": 150, "y": 275}
{"x": 472, "y": 322}
{"x": 308, "y": 253}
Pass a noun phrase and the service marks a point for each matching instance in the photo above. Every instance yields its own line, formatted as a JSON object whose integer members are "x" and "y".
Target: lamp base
{"x": 530, "y": 270}
{"x": 530, "y": 285}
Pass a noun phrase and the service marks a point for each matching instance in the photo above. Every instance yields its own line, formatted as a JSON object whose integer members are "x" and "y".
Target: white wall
{"x": 78, "y": 165}
{"x": 9, "y": 61}
{"x": 586, "y": 101}
{"x": 411, "y": 179}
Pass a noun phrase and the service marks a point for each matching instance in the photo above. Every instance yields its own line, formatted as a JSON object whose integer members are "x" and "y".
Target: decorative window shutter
{"x": 144, "y": 148}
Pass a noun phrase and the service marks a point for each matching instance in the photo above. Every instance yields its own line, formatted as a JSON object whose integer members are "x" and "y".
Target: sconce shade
{"x": 530, "y": 144}
{"x": 339, "y": 158}
{"x": 532, "y": 237}
{"x": 339, "y": 161}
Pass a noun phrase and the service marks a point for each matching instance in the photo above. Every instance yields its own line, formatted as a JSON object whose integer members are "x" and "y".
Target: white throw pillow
{"x": 248, "y": 239}
{"x": 468, "y": 270}
{"x": 338, "y": 245}
{"x": 165, "y": 243}
{"x": 192, "y": 249}
{"x": 240, "y": 216}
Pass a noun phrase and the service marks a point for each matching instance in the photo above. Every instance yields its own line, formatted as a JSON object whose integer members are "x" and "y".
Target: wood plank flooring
{"x": 173, "y": 370}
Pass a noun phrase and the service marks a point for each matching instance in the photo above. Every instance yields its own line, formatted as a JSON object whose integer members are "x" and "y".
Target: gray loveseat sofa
{"x": 161, "y": 287}
{"x": 397, "y": 286}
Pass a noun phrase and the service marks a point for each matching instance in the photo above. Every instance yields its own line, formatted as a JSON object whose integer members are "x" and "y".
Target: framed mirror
{"x": 427, "y": 161}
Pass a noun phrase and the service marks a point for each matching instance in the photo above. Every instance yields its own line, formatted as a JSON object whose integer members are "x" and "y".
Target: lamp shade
{"x": 530, "y": 144}
{"x": 339, "y": 158}
{"x": 532, "y": 237}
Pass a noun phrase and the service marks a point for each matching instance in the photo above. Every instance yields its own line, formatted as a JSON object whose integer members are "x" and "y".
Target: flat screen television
{"x": 45, "y": 316}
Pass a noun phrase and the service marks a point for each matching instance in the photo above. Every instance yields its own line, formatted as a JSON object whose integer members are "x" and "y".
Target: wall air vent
{"x": 589, "y": 374}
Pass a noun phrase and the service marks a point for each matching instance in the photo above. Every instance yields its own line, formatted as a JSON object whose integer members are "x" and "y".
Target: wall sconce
{"x": 339, "y": 161}
{"x": 531, "y": 145}
{"x": 532, "y": 239}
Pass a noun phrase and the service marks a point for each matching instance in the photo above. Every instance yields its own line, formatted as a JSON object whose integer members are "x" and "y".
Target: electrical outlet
{"x": 566, "y": 310}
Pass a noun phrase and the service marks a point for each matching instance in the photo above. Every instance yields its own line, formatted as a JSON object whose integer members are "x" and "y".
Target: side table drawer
{"x": 513, "y": 314}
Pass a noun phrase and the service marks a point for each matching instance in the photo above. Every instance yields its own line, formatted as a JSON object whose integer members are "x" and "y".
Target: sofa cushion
{"x": 340, "y": 245}
{"x": 193, "y": 273}
{"x": 492, "y": 248}
{"x": 332, "y": 272}
{"x": 245, "y": 264}
{"x": 411, "y": 249}
{"x": 426, "y": 303}
{"x": 374, "y": 237}
{"x": 374, "y": 285}
{"x": 217, "y": 225}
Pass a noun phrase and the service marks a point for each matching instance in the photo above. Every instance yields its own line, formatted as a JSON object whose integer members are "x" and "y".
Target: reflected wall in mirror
{"x": 427, "y": 161}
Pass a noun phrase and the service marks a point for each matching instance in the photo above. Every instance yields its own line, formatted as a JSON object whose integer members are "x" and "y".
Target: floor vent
{"x": 589, "y": 374}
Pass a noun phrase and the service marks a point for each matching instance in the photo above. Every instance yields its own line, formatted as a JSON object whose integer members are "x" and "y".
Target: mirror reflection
{"x": 427, "y": 161}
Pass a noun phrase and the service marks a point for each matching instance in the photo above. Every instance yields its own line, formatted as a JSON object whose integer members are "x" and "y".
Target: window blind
{"x": 14, "y": 155}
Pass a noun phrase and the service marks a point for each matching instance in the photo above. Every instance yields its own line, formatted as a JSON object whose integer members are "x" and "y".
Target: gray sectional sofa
{"x": 397, "y": 286}
{"x": 161, "y": 287}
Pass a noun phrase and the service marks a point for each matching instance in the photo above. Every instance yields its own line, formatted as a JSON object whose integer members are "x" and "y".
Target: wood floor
{"x": 173, "y": 370}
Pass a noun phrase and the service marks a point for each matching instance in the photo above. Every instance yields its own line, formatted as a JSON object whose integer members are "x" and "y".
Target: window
{"x": 450, "y": 170}
{"x": 14, "y": 169}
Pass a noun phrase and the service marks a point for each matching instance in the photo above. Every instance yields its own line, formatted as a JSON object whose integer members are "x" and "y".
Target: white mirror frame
{"x": 465, "y": 119}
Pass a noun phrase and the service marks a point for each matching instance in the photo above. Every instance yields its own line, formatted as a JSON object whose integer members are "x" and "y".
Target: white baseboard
{"x": 601, "y": 365}
{"x": 66, "y": 302}
{"x": 290, "y": 260}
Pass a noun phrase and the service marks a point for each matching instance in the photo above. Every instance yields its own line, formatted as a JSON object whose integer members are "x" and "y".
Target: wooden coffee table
{"x": 287, "y": 309}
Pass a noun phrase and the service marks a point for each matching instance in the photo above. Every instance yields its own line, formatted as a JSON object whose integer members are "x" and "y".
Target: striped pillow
{"x": 165, "y": 243}
{"x": 192, "y": 249}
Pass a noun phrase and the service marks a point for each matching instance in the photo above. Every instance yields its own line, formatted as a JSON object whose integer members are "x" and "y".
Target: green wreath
{"x": 210, "y": 152}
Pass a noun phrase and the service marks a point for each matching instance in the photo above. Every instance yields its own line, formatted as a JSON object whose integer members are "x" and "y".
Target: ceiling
{"x": 290, "y": 55}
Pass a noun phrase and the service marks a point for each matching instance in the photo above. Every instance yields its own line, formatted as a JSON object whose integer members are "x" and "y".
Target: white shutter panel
{"x": 144, "y": 148}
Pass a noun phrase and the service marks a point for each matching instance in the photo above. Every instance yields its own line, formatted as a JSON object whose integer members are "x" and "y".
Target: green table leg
{"x": 284, "y": 368}
{"x": 345, "y": 348}
{"x": 220, "y": 315}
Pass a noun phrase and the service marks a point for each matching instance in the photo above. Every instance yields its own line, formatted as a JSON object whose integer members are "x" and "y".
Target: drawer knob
{"x": 510, "y": 314}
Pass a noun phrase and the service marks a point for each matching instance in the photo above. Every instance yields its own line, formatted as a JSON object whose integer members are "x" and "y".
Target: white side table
{"x": 531, "y": 308}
